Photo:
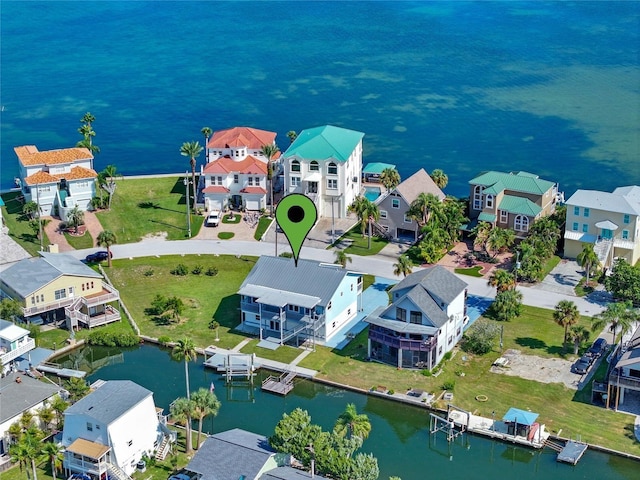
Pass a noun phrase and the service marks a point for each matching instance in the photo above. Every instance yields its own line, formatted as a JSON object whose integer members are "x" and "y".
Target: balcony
{"x": 627, "y": 382}
{"x": 25, "y": 347}
{"x": 109, "y": 294}
{"x": 403, "y": 343}
{"x": 37, "y": 309}
{"x": 619, "y": 242}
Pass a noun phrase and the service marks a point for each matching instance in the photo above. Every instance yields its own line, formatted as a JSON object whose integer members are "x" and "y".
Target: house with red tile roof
{"x": 58, "y": 180}
{"x": 235, "y": 175}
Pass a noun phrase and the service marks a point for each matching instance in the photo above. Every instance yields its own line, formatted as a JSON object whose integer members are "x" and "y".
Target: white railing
{"x": 620, "y": 242}
{"x": 112, "y": 296}
{"x": 30, "y": 344}
{"x": 30, "y": 311}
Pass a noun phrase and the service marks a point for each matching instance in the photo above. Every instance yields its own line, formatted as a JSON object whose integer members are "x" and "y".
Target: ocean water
{"x": 546, "y": 87}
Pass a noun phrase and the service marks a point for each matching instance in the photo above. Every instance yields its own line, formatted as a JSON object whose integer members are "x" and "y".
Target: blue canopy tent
{"x": 525, "y": 419}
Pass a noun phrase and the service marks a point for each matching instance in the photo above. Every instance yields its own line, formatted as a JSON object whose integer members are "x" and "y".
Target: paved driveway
{"x": 562, "y": 279}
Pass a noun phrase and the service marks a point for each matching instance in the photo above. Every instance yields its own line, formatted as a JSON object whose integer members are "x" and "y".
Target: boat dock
{"x": 56, "y": 369}
{"x": 572, "y": 452}
{"x": 280, "y": 385}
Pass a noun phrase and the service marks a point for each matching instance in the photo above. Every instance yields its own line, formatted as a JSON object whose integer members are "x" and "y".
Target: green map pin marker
{"x": 296, "y": 214}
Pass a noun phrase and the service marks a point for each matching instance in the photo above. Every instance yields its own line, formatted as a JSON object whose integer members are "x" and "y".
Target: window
{"x": 295, "y": 166}
{"x": 395, "y": 203}
{"x": 33, "y": 300}
{"x": 41, "y": 298}
{"x": 332, "y": 183}
{"x": 407, "y": 218}
{"x": 626, "y": 219}
{"x": 521, "y": 223}
{"x": 625, "y": 234}
{"x": 212, "y": 180}
{"x": 258, "y": 318}
{"x": 257, "y": 181}
{"x": 130, "y": 443}
{"x": 415, "y": 317}
{"x": 586, "y": 212}
{"x": 82, "y": 184}
{"x": 383, "y": 214}
{"x": 236, "y": 178}
{"x": 89, "y": 427}
{"x": 60, "y": 294}
{"x": 348, "y": 311}
{"x": 575, "y": 226}
{"x": 401, "y": 314}
{"x": 295, "y": 181}
{"x": 477, "y": 197}
{"x": 504, "y": 216}
{"x": 313, "y": 166}
{"x": 251, "y": 181}
{"x": 219, "y": 180}
{"x": 332, "y": 169}
{"x": 585, "y": 228}
{"x": 329, "y": 306}
{"x": 83, "y": 285}
{"x": 489, "y": 201}
{"x": 440, "y": 351}
{"x": 450, "y": 339}
{"x": 576, "y": 211}
{"x": 458, "y": 332}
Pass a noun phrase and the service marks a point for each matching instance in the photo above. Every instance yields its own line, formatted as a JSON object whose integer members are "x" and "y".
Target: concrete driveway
{"x": 562, "y": 279}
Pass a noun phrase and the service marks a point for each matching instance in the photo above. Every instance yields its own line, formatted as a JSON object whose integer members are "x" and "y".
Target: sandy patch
{"x": 544, "y": 370}
{"x": 155, "y": 236}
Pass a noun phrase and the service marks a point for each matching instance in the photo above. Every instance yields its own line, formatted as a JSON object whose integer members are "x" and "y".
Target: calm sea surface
{"x": 400, "y": 434}
{"x": 552, "y": 88}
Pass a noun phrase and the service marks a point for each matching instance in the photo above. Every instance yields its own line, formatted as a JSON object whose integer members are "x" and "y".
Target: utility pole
{"x": 186, "y": 192}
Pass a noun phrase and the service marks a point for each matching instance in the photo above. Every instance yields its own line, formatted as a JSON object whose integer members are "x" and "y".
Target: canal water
{"x": 400, "y": 433}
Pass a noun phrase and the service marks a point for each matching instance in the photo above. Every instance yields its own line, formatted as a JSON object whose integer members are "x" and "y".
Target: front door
{"x": 313, "y": 187}
{"x": 607, "y": 234}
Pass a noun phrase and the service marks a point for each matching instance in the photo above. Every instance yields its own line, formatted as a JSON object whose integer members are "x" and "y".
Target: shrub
{"x": 286, "y": 255}
{"x": 148, "y": 272}
{"x": 391, "y": 392}
{"x": 481, "y": 337}
{"x": 448, "y": 385}
{"x": 213, "y": 324}
{"x": 181, "y": 270}
{"x": 426, "y": 372}
{"x": 164, "y": 339}
{"x": 197, "y": 270}
{"x": 212, "y": 271}
{"x": 447, "y": 356}
{"x": 110, "y": 339}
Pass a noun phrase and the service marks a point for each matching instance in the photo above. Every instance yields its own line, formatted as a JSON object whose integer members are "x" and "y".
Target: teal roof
{"x": 486, "y": 217}
{"x": 519, "y": 205}
{"x": 494, "y": 189}
{"x": 322, "y": 143}
{"x": 377, "y": 167}
{"x": 518, "y": 182}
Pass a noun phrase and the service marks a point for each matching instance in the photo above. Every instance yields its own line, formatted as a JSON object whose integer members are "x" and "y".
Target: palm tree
{"x": 107, "y": 179}
{"x": 352, "y": 424}
{"x": 269, "y": 151}
{"x": 502, "y": 280}
{"x": 404, "y": 266}
{"x": 292, "y": 136}
{"x": 54, "y": 454}
{"x": 77, "y": 388}
{"x": 566, "y": 315}
{"x": 182, "y": 410}
{"x": 588, "y": 259}
{"x": 19, "y": 453}
{"x": 422, "y": 207}
{"x": 45, "y": 414}
{"x": 26, "y": 419}
{"x": 88, "y": 118}
{"x": 59, "y": 405}
{"x": 185, "y": 350}
{"x": 452, "y": 217}
{"x": 578, "y": 335}
{"x": 342, "y": 258}
{"x": 500, "y": 239}
{"x": 481, "y": 234}
{"x": 371, "y": 213}
{"x": 358, "y": 207}
{"x": 205, "y": 404}
{"x": 31, "y": 210}
{"x": 617, "y": 315}
{"x": 86, "y": 130}
{"x": 507, "y": 305}
{"x": 192, "y": 150}
{"x": 390, "y": 178}
{"x": 75, "y": 218}
{"x": 206, "y": 131}
{"x": 106, "y": 239}
{"x": 439, "y": 178}
{"x": 366, "y": 211}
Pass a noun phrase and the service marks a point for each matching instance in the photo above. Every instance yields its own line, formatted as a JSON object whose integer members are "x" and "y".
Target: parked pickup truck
{"x": 213, "y": 219}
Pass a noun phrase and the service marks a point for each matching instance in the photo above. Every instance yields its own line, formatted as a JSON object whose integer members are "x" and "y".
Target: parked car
{"x": 582, "y": 365}
{"x": 213, "y": 219}
{"x": 96, "y": 257}
{"x": 598, "y": 347}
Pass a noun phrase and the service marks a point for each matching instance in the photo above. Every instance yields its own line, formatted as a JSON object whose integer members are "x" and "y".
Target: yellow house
{"x": 57, "y": 287}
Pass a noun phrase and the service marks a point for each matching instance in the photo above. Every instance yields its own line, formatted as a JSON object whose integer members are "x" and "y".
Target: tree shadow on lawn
{"x": 166, "y": 224}
{"x": 537, "y": 344}
{"x": 153, "y": 205}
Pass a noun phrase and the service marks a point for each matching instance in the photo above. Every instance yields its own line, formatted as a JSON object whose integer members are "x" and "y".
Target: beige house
{"x": 609, "y": 221}
{"x": 59, "y": 287}
{"x": 511, "y": 200}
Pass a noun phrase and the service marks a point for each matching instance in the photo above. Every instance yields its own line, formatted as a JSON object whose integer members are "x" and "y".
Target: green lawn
{"x": 79, "y": 243}
{"x": 550, "y": 265}
{"x": 235, "y": 218}
{"x": 263, "y": 224}
{"x": 18, "y": 224}
{"x": 472, "y": 272}
{"x": 360, "y": 243}
{"x": 283, "y": 354}
{"x": 226, "y": 235}
{"x": 149, "y": 206}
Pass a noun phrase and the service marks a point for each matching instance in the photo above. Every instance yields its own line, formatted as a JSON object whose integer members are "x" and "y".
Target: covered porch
{"x": 87, "y": 458}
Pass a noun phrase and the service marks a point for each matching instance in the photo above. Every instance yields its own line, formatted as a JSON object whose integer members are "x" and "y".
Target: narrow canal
{"x": 400, "y": 433}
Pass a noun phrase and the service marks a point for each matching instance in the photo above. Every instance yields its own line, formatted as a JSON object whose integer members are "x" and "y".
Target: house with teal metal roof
{"x": 511, "y": 200}
{"x": 325, "y": 164}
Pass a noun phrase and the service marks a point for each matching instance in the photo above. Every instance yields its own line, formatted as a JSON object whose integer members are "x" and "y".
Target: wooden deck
{"x": 572, "y": 452}
{"x": 280, "y": 385}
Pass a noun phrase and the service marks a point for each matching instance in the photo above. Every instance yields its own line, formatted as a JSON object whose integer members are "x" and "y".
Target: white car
{"x": 213, "y": 219}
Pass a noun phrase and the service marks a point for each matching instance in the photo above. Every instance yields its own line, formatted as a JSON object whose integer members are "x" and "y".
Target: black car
{"x": 598, "y": 347}
{"x": 583, "y": 364}
{"x": 96, "y": 257}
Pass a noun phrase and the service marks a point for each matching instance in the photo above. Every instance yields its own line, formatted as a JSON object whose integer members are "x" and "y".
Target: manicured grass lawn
{"x": 205, "y": 297}
{"x": 472, "y": 272}
{"x": 283, "y": 354}
{"x": 262, "y": 226}
{"x": 360, "y": 243}
{"x": 234, "y": 219}
{"x": 79, "y": 243}
{"x": 550, "y": 265}
{"x": 149, "y": 206}
{"x": 18, "y": 224}
{"x": 225, "y": 235}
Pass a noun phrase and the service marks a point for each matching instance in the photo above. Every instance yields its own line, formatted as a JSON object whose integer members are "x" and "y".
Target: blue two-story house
{"x": 284, "y": 303}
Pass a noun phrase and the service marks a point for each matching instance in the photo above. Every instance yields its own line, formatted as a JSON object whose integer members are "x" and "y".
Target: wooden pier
{"x": 280, "y": 385}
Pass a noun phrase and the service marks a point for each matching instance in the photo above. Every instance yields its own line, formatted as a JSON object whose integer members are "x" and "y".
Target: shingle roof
{"x": 29, "y": 155}
{"x": 419, "y": 182}
{"x": 31, "y": 274}
{"x": 231, "y": 454}
{"x": 323, "y": 143}
{"x": 309, "y": 278}
{"x": 437, "y": 280}
{"x": 518, "y": 182}
{"x": 519, "y": 205}
{"x": 110, "y": 401}
{"x": 241, "y": 137}
{"x": 18, "y": 397}
{"x": 249, "y": 165}
{"x": 622, "y": 200}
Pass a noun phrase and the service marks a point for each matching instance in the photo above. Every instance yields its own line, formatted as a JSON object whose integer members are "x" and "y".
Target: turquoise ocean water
{"x": 551, "y": 88}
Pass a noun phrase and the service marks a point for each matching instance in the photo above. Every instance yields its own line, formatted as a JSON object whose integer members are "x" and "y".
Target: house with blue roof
{"x": 424, "y": 321}
{"x": 511, "y": 200}
{"x": 283, "y": 303}
{"x": 325, "y": 164}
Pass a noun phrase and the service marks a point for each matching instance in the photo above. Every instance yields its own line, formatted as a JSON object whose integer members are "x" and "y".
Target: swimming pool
{"x": 372, "y": 193}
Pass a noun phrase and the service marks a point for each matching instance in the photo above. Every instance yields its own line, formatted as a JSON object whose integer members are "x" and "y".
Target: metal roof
{"x": 11, "y": 332}
{"x": 622, "y": 200}
{"x": 278, "y": 298}
{"x": 323, "y": 143}
{"x": 377, "y": 167}
{"x": 523, "y": 417}
{"x": 486, "y": 217}
{"x": 517, "y": 181}
{"x": 519, "y": 205}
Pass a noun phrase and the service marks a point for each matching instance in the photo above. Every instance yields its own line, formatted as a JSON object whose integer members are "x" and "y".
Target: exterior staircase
{"x": 603, "y": 249}
{"x": 379, "y": 230}
{"x": 117, "y": 473}
{"x": 163, "y": 449}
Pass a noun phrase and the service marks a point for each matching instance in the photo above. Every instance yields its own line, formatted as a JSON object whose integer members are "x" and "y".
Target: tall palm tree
{"x": 19, "y": 453}
{"x": 617, "y": 315}
{"x": 404, "y": 266}
{"x": 439, "y": 178}
{"x": 422, "y": 207}
{"x": 270, "y": 151}
{"x": 205, "y": 404}
{"x": 46, "y": 415}
{"x": 107, "y": 179}
{"x": 366, "y": 211}
{"x": 182, "y": 410}
{"x": 87, "y": 132}
{"x": 566, "y": 315}
{"x": 578, "y": 335}
{"x": 59, "y": 405}
{"x": 588, "y": 259}
{"x": 372, "y": 214}
{"x": 106, "y": 239}
{"x": 193, "y": 151}
{"x": 342, "y": 258}
{"x": 292, "y": 135}
{"x": 452, "y": 217}
{"x": 502, "y": 280}
{"x": 88, "y": 118}
{"x": 54, "y": 454}
{"x": 500, "y": 239}
{"x": 352, "y": 424}
{"x": 390, "y": 178}
{"x": 206, "y": 131}
{"x": 185, "y": 350}
{"x": 481, "y": 235}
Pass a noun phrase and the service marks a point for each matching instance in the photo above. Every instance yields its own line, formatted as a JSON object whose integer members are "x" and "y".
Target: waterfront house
{"x": 608, "y": 221}
{"x": 235, "y": 175}
{"x": 281, "y": 302}
{"x": 325, "y": 164}
{"x": 423, "y": 322}
{"x": 624, "y": 377}
{"x": 395, "y": 204}
{"x": 14, "y": 342}
{"x": 111, "y": 429}
{"x": 58, "y": 180}
{"x": 59, "y": 287}
{"x": 20, "y": 393}
{"x": 511, "y": 200}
